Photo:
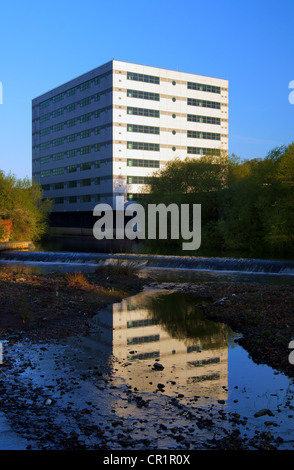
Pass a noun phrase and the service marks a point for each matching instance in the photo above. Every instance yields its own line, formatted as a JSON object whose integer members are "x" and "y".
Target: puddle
{"x": 202, "y": 366}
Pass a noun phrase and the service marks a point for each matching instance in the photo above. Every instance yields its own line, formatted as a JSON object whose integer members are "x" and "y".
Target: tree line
{"x": 247, "y": 205}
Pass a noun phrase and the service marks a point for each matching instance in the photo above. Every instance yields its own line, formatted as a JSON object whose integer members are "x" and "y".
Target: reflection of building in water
{"x": 198, "y": 365}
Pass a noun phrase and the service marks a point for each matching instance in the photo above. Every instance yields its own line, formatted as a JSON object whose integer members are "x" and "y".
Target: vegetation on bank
{"x": 247, "y": 207}
{"x": 23, "y": 213}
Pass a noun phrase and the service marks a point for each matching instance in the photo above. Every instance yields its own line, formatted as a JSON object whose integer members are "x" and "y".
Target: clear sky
{"x": 46, "y": 43}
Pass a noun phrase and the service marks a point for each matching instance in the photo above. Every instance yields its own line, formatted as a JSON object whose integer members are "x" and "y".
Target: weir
{"x": 245, "y": 265}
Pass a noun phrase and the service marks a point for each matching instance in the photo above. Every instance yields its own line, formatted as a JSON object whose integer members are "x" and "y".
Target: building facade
{"x": 104, "y": 133}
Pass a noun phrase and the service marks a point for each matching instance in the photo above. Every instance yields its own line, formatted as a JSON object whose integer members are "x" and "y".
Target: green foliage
{"x": 247, "y": 206}
{"x": 21, "y": 202}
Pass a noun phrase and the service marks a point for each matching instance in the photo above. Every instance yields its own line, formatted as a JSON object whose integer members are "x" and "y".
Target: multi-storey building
{"x": 104, "y": 133}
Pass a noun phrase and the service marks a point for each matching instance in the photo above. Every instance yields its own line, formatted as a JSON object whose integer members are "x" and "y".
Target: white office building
{"x": 104, "y": 133}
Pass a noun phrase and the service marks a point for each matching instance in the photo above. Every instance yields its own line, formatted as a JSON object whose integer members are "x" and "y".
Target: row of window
{"x": 72, "y": 91}
{"x": 143, "y": 129}
{"x": 70, "y": 169}
{"x": 139, "y": 77}
{"x": 139, "y": 323}
{"x": 71, "y": 184}
{"x": 145, "y": 95}
{"x": 138, "y": 179}
{"x": 203, "y": 151}
{"x": 203, "y": 119}
{"x": 75, "y": 199}
{"x": 143, "y": 163}
{"x": 60, "y": 111}
{"x": 70, "y": 138}
{"x": 203, "y": 135}
{"x": 72, "y": 153}
{"x": 143, "y": 112}
{"x": 73, "y": 106}
{"x": 143, "y": 339}
{"x": 145, "y": 355}
{"x": 203, "y": 87}
{"x": 143, "y": 146}
{"x": 203, "y": 103}
{"x": 69, "y": 122}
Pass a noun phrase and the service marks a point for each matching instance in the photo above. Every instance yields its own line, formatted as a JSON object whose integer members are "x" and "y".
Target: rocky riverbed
{"x": 57, "y": 396}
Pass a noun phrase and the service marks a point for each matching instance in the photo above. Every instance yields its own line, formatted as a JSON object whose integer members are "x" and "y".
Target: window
{"x": 142, "y": 78}
{"x": 72, "y": 184}
{"x": 86, "y": 182}
{"x": 45, "y": 117}
{"x": 145, "y": 95}
{"x": 143, "y": 163}
{"x": 71, "y": 168}
{"x": 85, "y": 101}
{"x": 85, "y": 117}
{"x": 203, "y": 135}
{"x": 96, "y": 147}
{"x": 204, "y": 87}
{"x": 45, "y": 131}
{"x": 71, "y": 107}
{"x": 45, "y": 145}
{"x": 85, "y": 85}
{"x": 85, "y": 150}
{"x": 203, "y": 151}
{"x": 204, "y": 119}
{"x": 58, "y": 156}
{"x": 71, "y": 91}
{"x": 71, "y": 153}
{"x": 57, "y": 98}
{"x": 85, "y": 134}
{"x": 85, "y": 198}
{"x": 139, "y": 77}
{"x": 44, "y": 104}
{"x": 97, "y": 181}
{"x": 143, "y": 146}
{"x": 71, "y": 122}
{"x": 58, "y": 186}
{"x": 45, "y": 173}
{"x": 143, "y": 129}
{"x": 57, "y": 127}
{"x": 97, "y": 164}
{"x": 203, "y": 103}
{"x": 143, "y": 112}
{"x": 85, "y": 166}
{"x": 58, "y": 200}
{"x": 138, "y": 179}
{"x": 57, "y": 112}
{"x": 57, "y": 171}
{"x": 71, "y": 138}
{"x": 72, "y": 199}
{"x": 45, "y": 159}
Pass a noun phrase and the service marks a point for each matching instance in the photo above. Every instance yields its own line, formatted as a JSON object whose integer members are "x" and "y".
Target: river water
{"x": 198, "y": 362}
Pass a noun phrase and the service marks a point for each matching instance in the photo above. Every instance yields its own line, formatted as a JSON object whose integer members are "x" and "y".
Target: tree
{"x": 21, "y": 202}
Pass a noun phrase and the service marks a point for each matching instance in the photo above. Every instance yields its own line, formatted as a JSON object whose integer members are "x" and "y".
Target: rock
{"x": 263, "y": 412}
{"x": 158, "y": 366}
{"x": 160, "y": 385}
{"x": 48, "y": 402}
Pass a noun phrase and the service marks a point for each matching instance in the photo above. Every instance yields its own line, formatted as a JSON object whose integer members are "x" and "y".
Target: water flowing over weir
{"x": 244, "y": 265}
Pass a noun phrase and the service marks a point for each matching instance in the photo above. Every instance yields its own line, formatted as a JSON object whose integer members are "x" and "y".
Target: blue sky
{"x": 46, "y": 43}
